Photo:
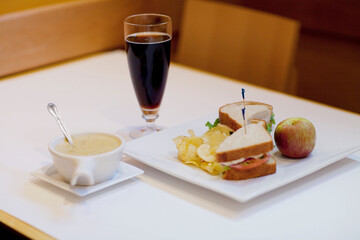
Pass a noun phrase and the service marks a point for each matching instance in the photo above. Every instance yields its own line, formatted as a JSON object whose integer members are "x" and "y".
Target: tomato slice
{"x": 250, "y": 163}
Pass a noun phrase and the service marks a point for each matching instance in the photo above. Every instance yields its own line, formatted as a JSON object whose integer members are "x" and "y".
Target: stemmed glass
{"x": 147, "y": 45}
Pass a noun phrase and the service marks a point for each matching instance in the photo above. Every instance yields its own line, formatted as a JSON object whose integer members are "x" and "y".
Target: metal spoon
{"x": 54, "y": 112}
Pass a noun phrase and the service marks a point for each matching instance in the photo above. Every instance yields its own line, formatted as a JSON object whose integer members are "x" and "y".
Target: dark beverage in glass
{"x": 147, "y": 44}
{"x": 148, "y": 57}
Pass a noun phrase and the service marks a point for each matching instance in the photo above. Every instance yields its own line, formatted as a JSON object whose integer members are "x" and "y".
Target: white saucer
{"x": 50, "y": 175}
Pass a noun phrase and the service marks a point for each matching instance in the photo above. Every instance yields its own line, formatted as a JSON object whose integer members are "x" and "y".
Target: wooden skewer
{"x": 243, "y": 110}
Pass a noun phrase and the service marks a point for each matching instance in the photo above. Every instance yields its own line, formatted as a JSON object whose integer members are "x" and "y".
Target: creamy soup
{"x": 90, "y": 144}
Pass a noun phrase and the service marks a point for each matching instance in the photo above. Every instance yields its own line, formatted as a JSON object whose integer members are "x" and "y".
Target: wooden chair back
{"x": 52, "y": 33}
{"x": 240, "y": 43}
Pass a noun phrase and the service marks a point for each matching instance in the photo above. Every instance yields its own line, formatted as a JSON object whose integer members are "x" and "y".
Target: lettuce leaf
{"x": 210, "y": 126}
{"x": 270, "y": 124}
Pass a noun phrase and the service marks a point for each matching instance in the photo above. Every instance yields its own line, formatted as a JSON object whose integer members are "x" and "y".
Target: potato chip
{"x": 191, "y": 133}
{"x": 200, "y": 151}
{"x": 205, "y": 154}
{"x": 213, "y": 168}
{"x": 219, "y": 128}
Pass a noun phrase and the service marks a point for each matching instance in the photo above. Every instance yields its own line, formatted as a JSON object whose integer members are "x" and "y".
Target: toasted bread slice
{"x": 231, "y": 114}
{"x": 240, "y": 145}
{"x": 265, "y": 169}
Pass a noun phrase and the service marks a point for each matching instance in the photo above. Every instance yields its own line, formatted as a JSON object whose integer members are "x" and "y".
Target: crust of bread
{"x": 252, "y": 150}
{"x": 244, "y": 152}
{"x": 225, "y": 119}
{"x": 259, "y": 171}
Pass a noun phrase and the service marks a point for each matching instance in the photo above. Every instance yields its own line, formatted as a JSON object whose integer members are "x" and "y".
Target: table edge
{"x": 22, "y": 227}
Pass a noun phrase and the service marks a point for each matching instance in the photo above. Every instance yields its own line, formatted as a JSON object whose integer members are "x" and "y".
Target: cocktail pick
{"x": 243, "y": 110}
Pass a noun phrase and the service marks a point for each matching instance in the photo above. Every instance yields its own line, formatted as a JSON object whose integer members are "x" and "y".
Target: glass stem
{"x": 150, "y": 116}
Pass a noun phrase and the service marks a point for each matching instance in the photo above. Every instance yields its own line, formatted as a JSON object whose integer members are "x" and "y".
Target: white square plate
{"x": 50, "y": 175}
{"x": 159, "y": 151}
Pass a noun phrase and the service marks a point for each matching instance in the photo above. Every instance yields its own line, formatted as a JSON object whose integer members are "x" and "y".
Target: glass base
{"x": 143, "y": 131}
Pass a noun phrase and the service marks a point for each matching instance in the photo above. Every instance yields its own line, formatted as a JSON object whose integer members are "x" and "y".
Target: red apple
{"x": 295, "y": 137}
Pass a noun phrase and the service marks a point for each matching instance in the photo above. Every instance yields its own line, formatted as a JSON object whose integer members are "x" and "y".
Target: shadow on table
{"x": 125, "y": 132}
{"x": 230, "y": 208}
{"x": 10, "y": 234}
{"x": 71, "y": 198}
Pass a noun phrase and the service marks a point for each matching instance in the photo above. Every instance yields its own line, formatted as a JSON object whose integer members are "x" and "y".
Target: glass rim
{"x": 144, "y": 14}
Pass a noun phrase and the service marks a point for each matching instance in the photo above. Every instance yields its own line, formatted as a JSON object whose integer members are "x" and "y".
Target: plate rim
{"x": 334, "y": 156}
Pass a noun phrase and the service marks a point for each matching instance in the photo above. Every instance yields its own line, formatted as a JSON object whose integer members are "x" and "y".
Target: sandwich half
{"x": 231, "y": 114}
{"x": 246, "y": 155}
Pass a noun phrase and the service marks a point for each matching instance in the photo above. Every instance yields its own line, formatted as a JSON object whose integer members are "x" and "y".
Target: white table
{"x": 95, "y": 94}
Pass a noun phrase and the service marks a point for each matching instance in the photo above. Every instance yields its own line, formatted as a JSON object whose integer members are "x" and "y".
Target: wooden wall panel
{"x": 340, "y": 17}
{"x": 57, "y": 32}
{"x": 328, "y": 51}
{"x": 238, "y": 42}
{"x": 49, "y": 34}
{"x": 328, "y": 58}
{"x": 329, "y": 70}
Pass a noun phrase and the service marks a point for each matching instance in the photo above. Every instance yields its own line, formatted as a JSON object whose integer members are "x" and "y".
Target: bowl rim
{"x": 56, "y": 140}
